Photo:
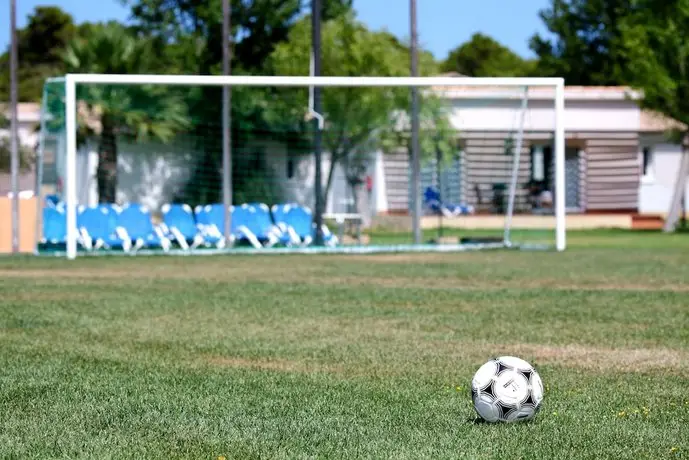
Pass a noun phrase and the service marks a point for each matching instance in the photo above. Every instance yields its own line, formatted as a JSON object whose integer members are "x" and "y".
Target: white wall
{"x": 657, "y": 187}
{"x": 28, "y": 121}
{"x": 28, "y": 136}
{"x": 150, "y": 174}
{"x": 380, "y": 192}
{"x": 300, "y": 187}
{"x": 503, "y": 115}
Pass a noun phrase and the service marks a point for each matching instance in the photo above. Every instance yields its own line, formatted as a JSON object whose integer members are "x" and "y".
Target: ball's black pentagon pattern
{"x": 505, "y": 410}
{"x": 489, "y": 390}
{"x": 529, "y": 401}
{"x": 527, "y": 373}
{"x": 502, "y": 367}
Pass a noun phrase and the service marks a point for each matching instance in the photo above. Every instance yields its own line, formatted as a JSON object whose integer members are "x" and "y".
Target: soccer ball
{"x": 506, "y": 389}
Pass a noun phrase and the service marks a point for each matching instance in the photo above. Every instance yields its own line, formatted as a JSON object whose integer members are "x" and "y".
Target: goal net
{"x": 148, "y": 163}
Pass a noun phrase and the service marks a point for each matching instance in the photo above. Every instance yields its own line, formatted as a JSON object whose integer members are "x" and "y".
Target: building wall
{"x": 602, "y": 170}
{"x": 154, "y": 174}
{"x": 396, "y": 167}
{"x": 485, "y": 164}
{"x": 580, "y": 116}
{"x": 28, "y": 117}
{"x": 300, "y": 186}
{"x": 657, "y": 186}
{"x": 604, "y": 131}
{"x": 612, "y": 170}
{"x": 602, "y": 145}
{"x": 151, "y": 174}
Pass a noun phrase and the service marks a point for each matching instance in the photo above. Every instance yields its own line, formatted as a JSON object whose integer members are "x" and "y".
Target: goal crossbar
{"x": 72, "y": 80}
{"x": 305, "y": 81}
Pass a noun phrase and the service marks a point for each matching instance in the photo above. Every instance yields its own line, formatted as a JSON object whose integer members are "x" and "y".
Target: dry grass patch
{"x": 432, "y": 358}
{"x": 68, "y": 273}
{"x": 192, "y": 271}
{"x": 477, "y": 284}
{"x": 43, "y": 296}
{"x": 400, "y": 258}
{"x": 602, "y": 359}
{"x": 278, "y": 365}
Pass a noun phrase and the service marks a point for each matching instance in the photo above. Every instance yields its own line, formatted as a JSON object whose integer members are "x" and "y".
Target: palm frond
{"x": 138, "y": 111}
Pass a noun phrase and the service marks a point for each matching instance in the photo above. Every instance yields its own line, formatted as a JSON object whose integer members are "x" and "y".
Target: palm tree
{"x": 26, "y": 155}
{"x": 111, "y": 112}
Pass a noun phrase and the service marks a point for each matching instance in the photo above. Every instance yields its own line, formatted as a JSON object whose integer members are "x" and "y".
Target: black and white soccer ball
{"x": 506, "y": 389}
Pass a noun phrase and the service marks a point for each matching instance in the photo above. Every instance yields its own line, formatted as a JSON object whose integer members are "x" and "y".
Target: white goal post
{"x": 73, "y": 80}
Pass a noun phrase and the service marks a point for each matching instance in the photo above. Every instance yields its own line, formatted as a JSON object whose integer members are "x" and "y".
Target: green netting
{"x": 159, "y": 147}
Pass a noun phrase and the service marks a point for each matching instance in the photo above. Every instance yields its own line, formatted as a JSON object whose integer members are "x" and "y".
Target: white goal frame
{"x": 72, "y": 80}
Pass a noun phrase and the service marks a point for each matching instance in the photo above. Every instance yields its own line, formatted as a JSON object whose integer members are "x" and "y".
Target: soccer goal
{"x": 140, "y": 164}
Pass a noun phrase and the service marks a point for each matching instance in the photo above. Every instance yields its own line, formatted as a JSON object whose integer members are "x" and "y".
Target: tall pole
{"x": 318, "y": 134}
{"x": 415, "y": 144}
{"x": 14, "y": 131}
{"x": 226, "y": 121}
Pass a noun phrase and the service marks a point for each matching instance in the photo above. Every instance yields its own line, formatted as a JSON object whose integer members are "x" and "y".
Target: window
{"x": 647, "y": 164}
{"x": 541, "y": 163}
{"x": 290, "y": 167}
{"x": 537, "y": 165}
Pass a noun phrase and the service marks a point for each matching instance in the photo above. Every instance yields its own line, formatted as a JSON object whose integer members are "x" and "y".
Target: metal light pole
{"x": 318, "y": 134}
{"x": 14, "y": 131}
{"x": 415, "y": 145}
{"x": 226, "y": 120}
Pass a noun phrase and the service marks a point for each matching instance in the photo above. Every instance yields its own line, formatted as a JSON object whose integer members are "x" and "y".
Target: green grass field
{"x": 346, "y": 356}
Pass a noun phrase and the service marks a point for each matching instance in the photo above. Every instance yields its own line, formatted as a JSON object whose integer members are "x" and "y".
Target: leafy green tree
{"x": 482, "y": 56}
{"x": 586, "y": 47}
{"x": 437, "y": 136}
{"x": 46, "y": 36}
{"x": 258, "y": 25}
{"x": 187, "y": 36}
{"x": 26, "y": 155}
{"x": 655, "y": 46}
{"x": 656, "y": 39}
{"x": 39, "y": 47}
{"x": 354, "y": 117}
{"x": 139, "y": 112}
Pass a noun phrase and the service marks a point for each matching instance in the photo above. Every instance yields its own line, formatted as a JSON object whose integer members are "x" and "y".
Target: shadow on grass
{"x": 478, "y": 421}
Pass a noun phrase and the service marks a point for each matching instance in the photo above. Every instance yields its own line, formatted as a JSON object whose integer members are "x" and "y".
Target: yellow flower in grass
{"x": 674, "y": 449}
{"x": 642, "y": 412}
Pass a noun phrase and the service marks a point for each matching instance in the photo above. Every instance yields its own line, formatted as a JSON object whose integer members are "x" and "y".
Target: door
{"x": 572, "y": 179}
{"x": 450, "y": 180}
{"x": 543, "y": 169}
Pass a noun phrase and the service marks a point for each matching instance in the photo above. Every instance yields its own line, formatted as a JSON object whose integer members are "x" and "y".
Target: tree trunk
{"x": 352, "y": 207}
{"x": 106, "y": 173}
{"x": 680, "y": 188}
{"x": 334, "y": 160}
